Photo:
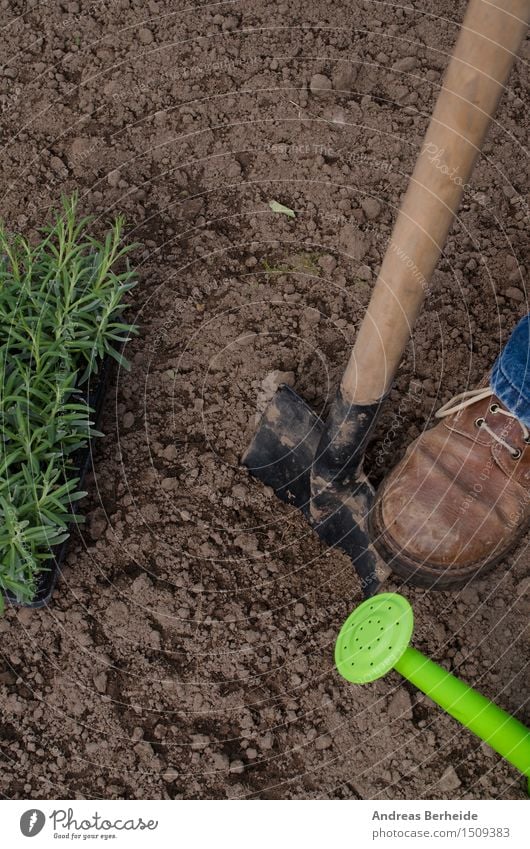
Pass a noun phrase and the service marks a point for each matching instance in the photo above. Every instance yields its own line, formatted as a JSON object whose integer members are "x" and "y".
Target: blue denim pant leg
{"x": 510, "y": 377}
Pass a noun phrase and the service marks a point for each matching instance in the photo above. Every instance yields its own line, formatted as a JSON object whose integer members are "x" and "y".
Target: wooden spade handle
{"x": 485, "y": 51}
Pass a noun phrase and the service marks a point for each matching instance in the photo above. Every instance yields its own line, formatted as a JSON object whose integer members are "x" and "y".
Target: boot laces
{"x": 471, "y": 396}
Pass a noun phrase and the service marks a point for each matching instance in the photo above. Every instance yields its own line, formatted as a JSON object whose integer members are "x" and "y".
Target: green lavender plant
{"x": 60, "y": 307}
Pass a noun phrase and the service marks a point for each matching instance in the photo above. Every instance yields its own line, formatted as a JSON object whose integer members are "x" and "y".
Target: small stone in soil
{"x": 320, "y": 85}
{"x": 449, "y": 780}
{"x": 514, "y": 294}
{"x": 399, "y": 705}
{"x": 144, "y": 750}
{"x": 97, "y": 523}
{"x": 371, "y": 208}
{"x": 269, "y": 385}
{"x": 311, "y": 315}
{"x": 266, "y": 742}
{"x": 100, "y": 682}
{"x": 353, "y": 241}
{"x": 57, "y": 165}
{"x": 327, "y": 263}
{"x": 408, "y": 63}
{"x": 145, "y": 35}
{"x": 364, "y": 273}
{"x": 170, "y": 452}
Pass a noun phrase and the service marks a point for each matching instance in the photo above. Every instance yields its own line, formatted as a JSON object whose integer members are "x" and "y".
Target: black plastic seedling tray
{"x": 47, "y": 579}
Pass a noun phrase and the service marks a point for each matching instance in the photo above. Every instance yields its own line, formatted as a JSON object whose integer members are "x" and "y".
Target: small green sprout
{"x": 283, "y": 210}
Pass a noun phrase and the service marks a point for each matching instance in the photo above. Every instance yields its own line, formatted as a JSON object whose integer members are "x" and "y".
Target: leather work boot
{"x": 458, "y": 501}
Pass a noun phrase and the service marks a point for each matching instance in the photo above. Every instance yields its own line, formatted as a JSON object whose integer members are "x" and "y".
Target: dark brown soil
{"x": 188, "y": 649}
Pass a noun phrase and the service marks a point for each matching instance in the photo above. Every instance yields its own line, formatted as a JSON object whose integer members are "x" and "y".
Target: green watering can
{"x": 375, "y": 639}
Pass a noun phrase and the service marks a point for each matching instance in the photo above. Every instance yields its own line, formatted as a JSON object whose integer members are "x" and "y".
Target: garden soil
{"x": 188, "y": 649}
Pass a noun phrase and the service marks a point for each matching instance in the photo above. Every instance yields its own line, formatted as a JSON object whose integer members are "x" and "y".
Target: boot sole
{"x": 425, "y": 575}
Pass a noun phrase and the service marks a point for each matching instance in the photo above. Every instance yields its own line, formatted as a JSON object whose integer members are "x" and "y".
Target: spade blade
{"x": 281, "y": 455}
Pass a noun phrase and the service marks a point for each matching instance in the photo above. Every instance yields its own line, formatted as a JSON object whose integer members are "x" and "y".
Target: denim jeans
{"x": 510, "y": 377}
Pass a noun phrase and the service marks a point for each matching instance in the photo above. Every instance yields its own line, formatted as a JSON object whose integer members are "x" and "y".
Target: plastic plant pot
{"x": 47, "y": 579}
{"x": 375, "y": 639}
